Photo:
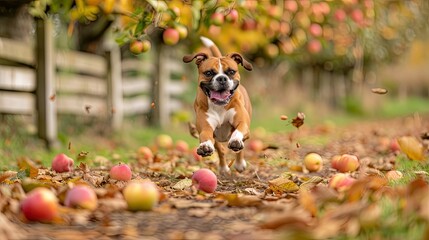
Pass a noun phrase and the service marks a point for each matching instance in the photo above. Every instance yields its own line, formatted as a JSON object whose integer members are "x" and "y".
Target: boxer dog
{"x": 222, "y": 105}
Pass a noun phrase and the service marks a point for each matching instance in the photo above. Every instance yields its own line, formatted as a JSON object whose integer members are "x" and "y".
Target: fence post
{"x": 160, "y": 112}
{"x": 45, "y": 82}
{"x": 114, "y": 87}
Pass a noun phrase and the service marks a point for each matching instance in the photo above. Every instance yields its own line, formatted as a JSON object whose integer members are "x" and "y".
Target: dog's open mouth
{"x": 218, "y": 97}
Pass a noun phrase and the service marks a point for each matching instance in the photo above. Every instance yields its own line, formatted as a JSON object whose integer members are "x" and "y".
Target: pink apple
{"x": 41, "y": 205}
{"x": 334, "y": 161}
{"x": 205, "y": 180}
{"x": 196, "y": 156}
{"x": 347, "y": 163}
{"x": 256, "y": 145}
{"x": 141, "y": 195}
{"x": 81, "y": 196}
{"x": 170, "y": 36}
{"x": 394, "y": 175}
{"x": 182, "y": 146}
{"x": 313, "y": 162}
{"x": 291, "y": 5}
{"x": 232, "y": 16}
{"x": 274, "y": 11}
{"x": 164, "y": 141}
{"x": 340, "y": 15}
{"x": 315, "y": 30}
{"x": 121, "y": 172}
{"x": 249, "y": 24}
{"x": 145, "y": 153}
{"x": 314, "y": 46}
{"x": 217, "y": 19}
{"x": 62, "y": 163}
{"x": 357, "y": 16}
{"x": 394, "y": 146}
{"x": 341, "y": 182}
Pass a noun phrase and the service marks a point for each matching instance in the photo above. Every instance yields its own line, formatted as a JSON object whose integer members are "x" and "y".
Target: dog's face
{"x": 218, "y": 77}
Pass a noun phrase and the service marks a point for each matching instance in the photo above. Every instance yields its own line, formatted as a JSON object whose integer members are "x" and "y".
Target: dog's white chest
{"x": 220, "y": 120}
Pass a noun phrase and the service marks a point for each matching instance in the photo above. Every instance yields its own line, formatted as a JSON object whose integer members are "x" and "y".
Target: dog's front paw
{"x": 224, "y": 171}
{"x": 205, "y": 149}
{"x": 235, "y": 145}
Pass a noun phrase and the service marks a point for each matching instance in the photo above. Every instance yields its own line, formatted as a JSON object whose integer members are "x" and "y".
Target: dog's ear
{"x": 240, "y": 60}
{"x": 199, "y": 56}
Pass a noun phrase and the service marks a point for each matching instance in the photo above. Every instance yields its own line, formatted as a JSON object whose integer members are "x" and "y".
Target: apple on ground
{"x": 62, "y": 163}
{"x": 141, "y": 195}
{"x": 313, "y": 162}
{"x": 255, "y": 145}
{"x": 394, "y": 175}
{"x": 182, "y": 146}
{"x": 347, "y": 163}
{"x": 41, "y": 205}
{"x": 164, "y": 141}
{"x": 205, "y": 180}
{"x": 121, "y": 172}
{"x": 170, "y": 36}
{"x": 341, "y": 182}
{"x": 196, "y": 156}
{"x": 145, "y": 153}
{"x": 217, "y": 19}
{"x": 334, "y": 161}
{"x": 394, "y": 146}
{"x": 81, "y": 196}
{"x": 232, "y": 16}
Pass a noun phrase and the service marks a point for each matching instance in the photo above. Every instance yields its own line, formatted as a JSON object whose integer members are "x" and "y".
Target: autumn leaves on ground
{"x": 367, "y": 180}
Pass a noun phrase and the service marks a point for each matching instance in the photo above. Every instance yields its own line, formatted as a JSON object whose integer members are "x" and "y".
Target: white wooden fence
{"x": 37, "y": 80}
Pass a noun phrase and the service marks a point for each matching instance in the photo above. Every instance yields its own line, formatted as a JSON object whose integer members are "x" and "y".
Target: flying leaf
{"x": 298, "y": 121}
{"x": 411, "y": 147}
{"x": 379, "y": 90}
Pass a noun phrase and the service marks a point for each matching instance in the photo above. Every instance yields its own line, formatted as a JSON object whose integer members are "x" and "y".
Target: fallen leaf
{"x": 411, "y": 147}
{"x": 310, "y": 183}
{"x": 238, "y": 200}
{"x": 24, "y": 163}
{"x": 379, "y": 90}
{"x": 308, "y": 202}
{"x": 7, "y": 175}
{"x": 182, "y": 184}
{"x": 282, "y": 185}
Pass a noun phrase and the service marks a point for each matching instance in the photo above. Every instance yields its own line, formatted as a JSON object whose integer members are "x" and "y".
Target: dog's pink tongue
{"x": 219, "y": 95}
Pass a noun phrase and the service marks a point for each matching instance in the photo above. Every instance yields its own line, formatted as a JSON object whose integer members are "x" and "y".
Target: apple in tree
{"x": 81, "y": 196}
{"x": 357, "y": 16}
{"x": 205, "y": 180}
{"x": 41, "y": 205}
{"x": 121, "y": 172}
{"x": 170, "y": 36}
{"x": 291, "y": 5}
{"x": 340, "y": 15}
{"x": 313, "y": 162}
{"x": 232, "y": 16}
{"x": 183, "y": 31}
{"x": 62, "y": 163}
{"x": 139, "y": 46}
{"x": 249, "y": 24}
{"x": 141, "y": 195}
{"x": 314, "y": 46}
{"x": 315, "y": 30}
{"x": 217, "y": 19}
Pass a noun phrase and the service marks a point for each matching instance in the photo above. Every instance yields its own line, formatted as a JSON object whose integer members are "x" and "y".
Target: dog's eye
{"x": 209, "y": 73}
{"x": 230, "y": 72}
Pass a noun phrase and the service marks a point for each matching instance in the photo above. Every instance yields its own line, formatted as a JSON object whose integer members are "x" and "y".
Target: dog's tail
{"x": 212, "y": 46}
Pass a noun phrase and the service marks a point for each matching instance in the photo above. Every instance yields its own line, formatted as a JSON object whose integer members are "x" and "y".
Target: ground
{"x": 275, "y": 198}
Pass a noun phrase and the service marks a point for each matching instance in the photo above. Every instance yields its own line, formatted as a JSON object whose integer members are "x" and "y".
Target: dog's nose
{"x": 222, "y": 79}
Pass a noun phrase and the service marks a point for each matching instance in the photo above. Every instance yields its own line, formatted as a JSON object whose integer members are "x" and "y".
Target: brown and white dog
{"x": 222, "y": 105}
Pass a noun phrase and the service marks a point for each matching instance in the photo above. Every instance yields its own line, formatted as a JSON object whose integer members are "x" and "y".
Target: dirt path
{"x": 245, "y": 206}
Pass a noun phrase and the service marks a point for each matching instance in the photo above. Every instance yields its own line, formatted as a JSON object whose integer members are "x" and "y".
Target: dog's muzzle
{"x": 219, "y": 92}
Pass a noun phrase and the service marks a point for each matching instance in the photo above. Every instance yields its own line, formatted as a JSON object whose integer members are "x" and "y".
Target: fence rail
{"x": 35, "y": 79}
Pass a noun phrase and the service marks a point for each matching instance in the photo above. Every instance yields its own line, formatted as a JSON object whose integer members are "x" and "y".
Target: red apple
{"x": 334, "y": 161}
{"x": 324, "y": 8}
{"x": 121, "y": 172}
{"x": 314, "y": 46}
{"x": 256, "y": 145}
{"x": 394, "y": 146}
{"x": 232, "y": 16}
{"x": 315, "y": 30}
{"x": 205, "y": 180}
{"x": 313, "y": 162}
{"x": 248, "y": 24}
{"x": 347, "y": 163}
{"x": 274, "y": 11}
{"x": 340, "y": 15}
{"x": 357, "y": 16}
{"x": 182, "y": 146}
{"x": 145, "y": 153}
{"x": 81, "y": 196}
{"x": 291, "y": 5}
{"x": 170, "y": 36}
{"x": 41, "y": 205}
{"x": 217, "y": 19}
{"x": 341, "y": 182}
{"x": 62, "y": 163}
{"x": 141, "y": 195}
{"x": 164, "y": 141}
{"x": 183, "y": 31}
{"x": 394, "y": 175}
